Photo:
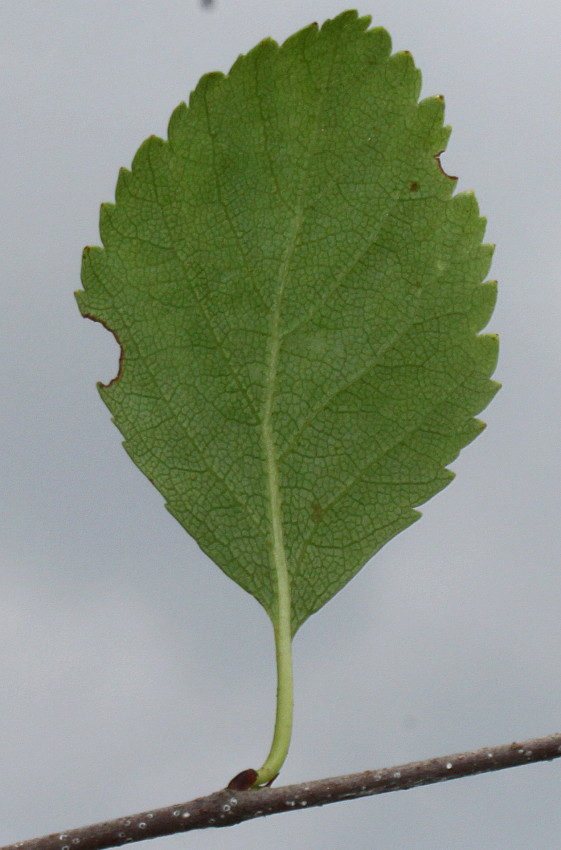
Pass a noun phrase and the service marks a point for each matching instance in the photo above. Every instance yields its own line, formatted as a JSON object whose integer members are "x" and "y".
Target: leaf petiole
{"x": 285, "y": 701}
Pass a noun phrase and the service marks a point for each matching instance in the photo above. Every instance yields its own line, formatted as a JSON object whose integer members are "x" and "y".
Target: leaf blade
{"x": 298, "y": 295}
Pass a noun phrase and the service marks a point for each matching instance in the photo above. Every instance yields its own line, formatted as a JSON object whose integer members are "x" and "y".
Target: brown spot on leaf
{"x": 317, "y": 512}
{"x": 413, "y": 187}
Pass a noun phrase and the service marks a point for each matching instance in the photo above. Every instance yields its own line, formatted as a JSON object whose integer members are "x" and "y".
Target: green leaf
{"x": 297, "y": 295}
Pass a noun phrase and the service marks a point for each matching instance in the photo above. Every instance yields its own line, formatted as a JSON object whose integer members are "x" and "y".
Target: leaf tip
{"x": 349, "y": 18}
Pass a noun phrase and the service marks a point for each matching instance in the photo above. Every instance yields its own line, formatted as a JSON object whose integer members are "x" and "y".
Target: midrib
{"x": 273, "y": 482}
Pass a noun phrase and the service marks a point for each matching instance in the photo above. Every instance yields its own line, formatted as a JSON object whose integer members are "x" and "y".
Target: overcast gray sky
{"x": 133, "y": 673}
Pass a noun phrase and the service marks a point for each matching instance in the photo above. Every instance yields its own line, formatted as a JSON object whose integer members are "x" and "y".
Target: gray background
{"x": 133, "y": 673}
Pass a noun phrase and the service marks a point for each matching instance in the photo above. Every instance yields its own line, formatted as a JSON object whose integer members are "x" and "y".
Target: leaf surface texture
{"x": 298, "y": 294}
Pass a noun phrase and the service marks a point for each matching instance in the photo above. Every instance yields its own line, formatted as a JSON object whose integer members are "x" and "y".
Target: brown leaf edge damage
{"x": 437, "y": 160}
{"x": 121, "y": 350}
{"x": 439, "y": 154}
{"x": 119, "y": 371}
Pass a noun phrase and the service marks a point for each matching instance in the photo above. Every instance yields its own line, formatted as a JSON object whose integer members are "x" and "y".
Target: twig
{"x": 228, "y": 807}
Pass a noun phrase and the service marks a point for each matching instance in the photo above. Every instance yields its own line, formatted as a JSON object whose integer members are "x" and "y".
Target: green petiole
{"x": 285, "y": 701}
